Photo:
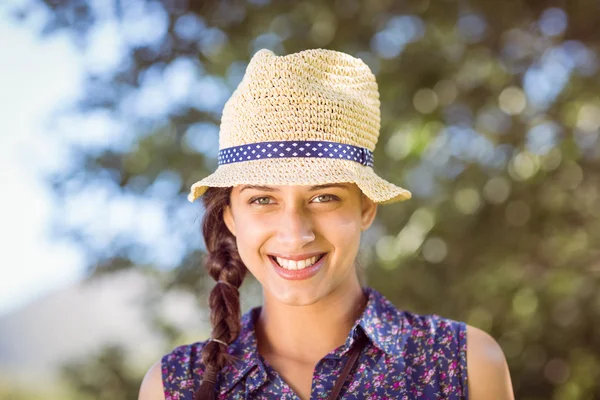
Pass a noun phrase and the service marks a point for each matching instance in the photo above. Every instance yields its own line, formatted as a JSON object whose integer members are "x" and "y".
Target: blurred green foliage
{"x": 106, "y": 376}
{"x": 490, "y": 116}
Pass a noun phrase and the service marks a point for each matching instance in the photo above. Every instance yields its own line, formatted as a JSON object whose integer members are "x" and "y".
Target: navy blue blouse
{"x": 408, "y": 356}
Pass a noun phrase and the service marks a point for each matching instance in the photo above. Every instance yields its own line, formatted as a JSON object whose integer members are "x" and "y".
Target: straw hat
{"x": 306, "y": 118}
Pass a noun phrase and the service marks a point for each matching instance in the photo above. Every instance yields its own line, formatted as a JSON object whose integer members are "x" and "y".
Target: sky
{"x": 36, "y": 76}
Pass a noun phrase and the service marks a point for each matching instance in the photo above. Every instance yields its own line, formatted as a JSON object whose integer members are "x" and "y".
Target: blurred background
{"x": 110, "y": 111}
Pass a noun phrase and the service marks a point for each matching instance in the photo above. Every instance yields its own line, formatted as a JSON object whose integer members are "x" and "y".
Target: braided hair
{"x": 223, "y": 263}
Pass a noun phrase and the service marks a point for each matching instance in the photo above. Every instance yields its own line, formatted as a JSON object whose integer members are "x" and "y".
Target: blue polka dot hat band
{"x": 293, "y": 149}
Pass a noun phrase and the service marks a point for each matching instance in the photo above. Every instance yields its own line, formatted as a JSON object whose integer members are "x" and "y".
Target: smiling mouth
{"x": 296, "y": 265}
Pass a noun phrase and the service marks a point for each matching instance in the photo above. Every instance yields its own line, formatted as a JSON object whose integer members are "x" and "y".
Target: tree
{"x": 490, "y": 116}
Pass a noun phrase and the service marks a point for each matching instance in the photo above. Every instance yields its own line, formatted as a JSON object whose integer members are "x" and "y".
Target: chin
{"x": 296, "y": 296}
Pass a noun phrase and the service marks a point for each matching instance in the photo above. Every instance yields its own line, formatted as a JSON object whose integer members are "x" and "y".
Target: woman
{"x": 292, "y": 194}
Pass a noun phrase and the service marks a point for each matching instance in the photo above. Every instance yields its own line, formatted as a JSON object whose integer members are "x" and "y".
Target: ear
{"x": 228, "y": 219}
{"x": 368, "y": 212}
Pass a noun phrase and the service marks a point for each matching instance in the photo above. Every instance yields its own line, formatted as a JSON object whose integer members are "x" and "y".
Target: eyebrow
{"x": 312, "y": 188}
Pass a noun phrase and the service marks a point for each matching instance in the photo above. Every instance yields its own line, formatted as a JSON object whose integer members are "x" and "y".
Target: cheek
{"x": 343, "y": 231}
{"x": 251, "y": 234}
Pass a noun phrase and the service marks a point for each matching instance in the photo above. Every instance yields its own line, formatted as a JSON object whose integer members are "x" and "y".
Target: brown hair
{"x": 223, "y": 263}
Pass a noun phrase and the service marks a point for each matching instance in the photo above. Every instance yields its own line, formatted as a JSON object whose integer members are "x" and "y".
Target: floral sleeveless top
{"x": 408, "y": 356}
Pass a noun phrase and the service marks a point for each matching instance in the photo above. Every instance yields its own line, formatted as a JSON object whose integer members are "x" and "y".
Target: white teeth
{"x": 295, "y": 265}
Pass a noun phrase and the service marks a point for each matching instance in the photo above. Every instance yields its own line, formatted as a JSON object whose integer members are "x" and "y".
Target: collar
{"x": 381, "y": 321}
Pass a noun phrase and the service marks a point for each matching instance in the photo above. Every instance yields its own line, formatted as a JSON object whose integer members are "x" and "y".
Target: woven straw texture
{"x": 314, "y": 94}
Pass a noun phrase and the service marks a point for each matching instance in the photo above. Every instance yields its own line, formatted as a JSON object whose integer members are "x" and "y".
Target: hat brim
{"x": 302, "y": 171}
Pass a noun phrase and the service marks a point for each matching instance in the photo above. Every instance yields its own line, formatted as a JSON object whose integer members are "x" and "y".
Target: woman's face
{"x": 308, "y": 224}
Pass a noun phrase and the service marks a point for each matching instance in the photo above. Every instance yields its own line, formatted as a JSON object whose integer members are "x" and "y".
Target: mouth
{"x": 302, "y": 271}
{"x": 297, "y": 265}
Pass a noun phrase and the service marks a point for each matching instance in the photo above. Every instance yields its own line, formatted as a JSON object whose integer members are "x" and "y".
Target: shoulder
{"x": 486, "y": 367}
{"x": 181, "y": 367}
{"x": 435, "y": 347}
{"x": 174, "y": 374}
{"x": 152, "y": 387}
{"x": 435, "y": 330}
{"x": 419, "y": 332}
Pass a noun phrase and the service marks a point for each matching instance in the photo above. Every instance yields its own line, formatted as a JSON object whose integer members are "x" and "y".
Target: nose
{"x": 295, "y": 229}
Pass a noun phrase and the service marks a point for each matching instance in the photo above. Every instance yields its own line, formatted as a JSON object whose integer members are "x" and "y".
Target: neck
{"x": 288, "y": 331}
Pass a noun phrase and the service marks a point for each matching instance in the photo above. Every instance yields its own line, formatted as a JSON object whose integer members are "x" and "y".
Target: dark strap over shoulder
{"x": 355, "y": 351}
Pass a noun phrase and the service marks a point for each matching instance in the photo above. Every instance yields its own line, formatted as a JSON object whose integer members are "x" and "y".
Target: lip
{"x": 298, "y": 257}
{"x": 296, "y": 275}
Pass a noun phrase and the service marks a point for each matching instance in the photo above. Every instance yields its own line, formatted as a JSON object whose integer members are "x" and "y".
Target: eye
{"x": 326, "y": 196}
{"x": 260, "y": 200}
